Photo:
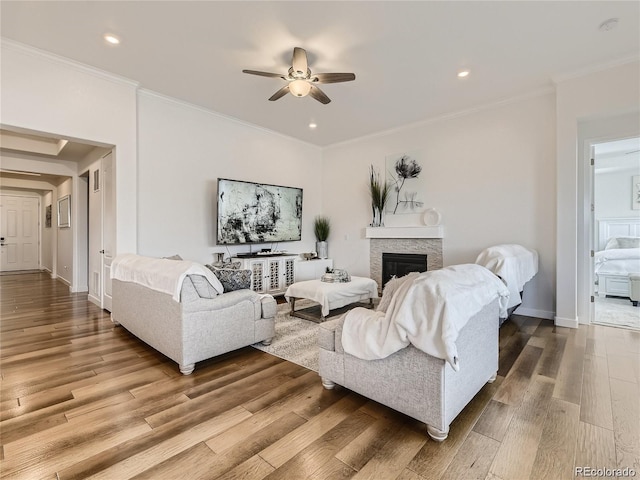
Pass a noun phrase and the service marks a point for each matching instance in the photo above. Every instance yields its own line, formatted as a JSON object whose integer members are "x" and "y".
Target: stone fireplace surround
{"x": 426, "y": 240}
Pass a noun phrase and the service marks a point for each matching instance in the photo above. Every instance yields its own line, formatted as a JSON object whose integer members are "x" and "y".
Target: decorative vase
{"x": 322, "y": 249}
{"x": 378, "y": 218}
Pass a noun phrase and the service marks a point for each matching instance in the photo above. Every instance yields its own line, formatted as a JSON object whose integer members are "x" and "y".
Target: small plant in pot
{"x": 322, "y": 228}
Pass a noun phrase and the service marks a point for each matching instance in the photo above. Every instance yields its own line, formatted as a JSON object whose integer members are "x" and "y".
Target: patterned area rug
{"x": 296, "y": 339}
{"x": 617, "y": 312}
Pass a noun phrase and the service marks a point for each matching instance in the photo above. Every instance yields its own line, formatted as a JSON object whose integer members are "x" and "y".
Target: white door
{"x": 108, "y": 226}
{"x": 95, "y": 235}
{"x": 19, "y": 233}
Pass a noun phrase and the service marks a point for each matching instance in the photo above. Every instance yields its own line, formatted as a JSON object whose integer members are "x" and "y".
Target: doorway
{"x": 19, "y": 233}
{"x": 616, "y": 232}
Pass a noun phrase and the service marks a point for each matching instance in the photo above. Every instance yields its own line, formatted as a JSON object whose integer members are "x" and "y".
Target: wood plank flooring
{"x": 81, "y": 398}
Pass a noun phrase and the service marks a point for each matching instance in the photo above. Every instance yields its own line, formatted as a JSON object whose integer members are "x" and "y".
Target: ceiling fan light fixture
{"x": 300, "y": 88}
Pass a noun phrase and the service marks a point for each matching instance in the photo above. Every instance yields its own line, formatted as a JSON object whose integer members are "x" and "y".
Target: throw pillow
{"x": 173, "y": 257}
{"x": 203, "y": 287}
{"x": 232, "y": 279}
{"x": 392, "y": 287}
{"x": 628, "y": 242}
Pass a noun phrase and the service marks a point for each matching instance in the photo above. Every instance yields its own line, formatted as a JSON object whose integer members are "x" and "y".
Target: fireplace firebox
{"x": 399, "y": 264}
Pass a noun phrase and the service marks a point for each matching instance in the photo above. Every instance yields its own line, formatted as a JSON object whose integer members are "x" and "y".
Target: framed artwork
{"x": 64, "y": 212}
{"x": 407, "y": 183}
{"x": 635, "y": 192}
{"x": 47, "y": 216}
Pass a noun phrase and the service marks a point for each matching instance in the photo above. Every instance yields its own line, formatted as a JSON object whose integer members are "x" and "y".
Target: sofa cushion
{"x": 232, "y": 279}
{"x": 203, "y": 287}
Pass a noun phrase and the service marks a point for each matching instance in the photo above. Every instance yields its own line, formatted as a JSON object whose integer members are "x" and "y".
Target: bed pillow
{"x": 392, "y": 287}
{"x": 233, "y": 279}
{"x": 173, "y": 257}
{"x": 628, "y": 242}
{"x": 622, "y": 242}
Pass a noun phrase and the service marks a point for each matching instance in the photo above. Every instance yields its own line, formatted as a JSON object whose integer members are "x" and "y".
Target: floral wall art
{"x": 635, "y": 196}
{"x": 406, "y": 181}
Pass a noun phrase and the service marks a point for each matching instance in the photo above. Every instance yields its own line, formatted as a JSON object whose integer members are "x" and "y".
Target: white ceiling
{"x": 405, "y": 54}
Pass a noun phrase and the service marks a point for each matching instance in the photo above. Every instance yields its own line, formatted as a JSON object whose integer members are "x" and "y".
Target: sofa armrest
{"x": 330, "y": 335}
{"x": 269, "y": 306}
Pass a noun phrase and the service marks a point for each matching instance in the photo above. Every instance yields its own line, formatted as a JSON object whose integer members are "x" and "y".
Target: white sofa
{"x": 413, "y": 382}
{"x": 452, "y": 313}
{"x": 192, "y": 328}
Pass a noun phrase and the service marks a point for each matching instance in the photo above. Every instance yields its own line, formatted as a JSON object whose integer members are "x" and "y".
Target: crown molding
{"x": 563, "y": 77}
{"x": 450, "y": 116}
{"x": 8, "y": 44}
{"x": 192, "y": 106}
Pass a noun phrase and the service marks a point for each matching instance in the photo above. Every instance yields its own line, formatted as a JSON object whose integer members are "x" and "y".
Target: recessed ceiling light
{"x": 313, "y": 125}
{"x": 463, "y": 73}
{"x": 111, "y": 38}
{"x": 609, "y": 24}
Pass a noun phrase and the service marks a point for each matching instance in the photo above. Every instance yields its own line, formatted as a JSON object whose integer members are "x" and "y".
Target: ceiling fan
{"x": 300, "y": 81}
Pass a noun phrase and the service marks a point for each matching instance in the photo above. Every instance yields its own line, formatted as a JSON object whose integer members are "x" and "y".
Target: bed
{"x": 617, "y": 256}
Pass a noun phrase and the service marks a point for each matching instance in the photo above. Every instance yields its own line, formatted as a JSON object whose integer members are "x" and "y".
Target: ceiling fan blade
{"x": 299, "y": 61}
{"x": 333, "y": 77}
{"x": 280, "y": 93}
{"x": 264, "y": 74}
{"x": 319, "y": 95}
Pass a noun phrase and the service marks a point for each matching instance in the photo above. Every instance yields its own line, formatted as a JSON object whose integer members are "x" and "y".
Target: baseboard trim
{"x": 95, "y": 300}
{"x": 566, "y": 322}
{"x": 532, "y": 312}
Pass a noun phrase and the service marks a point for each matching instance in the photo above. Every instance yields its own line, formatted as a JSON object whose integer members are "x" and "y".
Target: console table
{"x": 274, "y": 274}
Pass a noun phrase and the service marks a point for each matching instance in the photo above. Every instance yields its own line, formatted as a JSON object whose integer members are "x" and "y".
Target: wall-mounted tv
{"x": 251, "y": 212}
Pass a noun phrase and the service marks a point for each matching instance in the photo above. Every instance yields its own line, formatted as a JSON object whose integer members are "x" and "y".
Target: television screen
{"x": 258, "y": 213}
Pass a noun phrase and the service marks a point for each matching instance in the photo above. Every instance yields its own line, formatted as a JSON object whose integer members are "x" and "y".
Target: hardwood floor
{"x": 81, "y": 398}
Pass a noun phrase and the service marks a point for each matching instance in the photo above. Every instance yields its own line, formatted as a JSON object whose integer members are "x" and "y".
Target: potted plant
{"x": 379, "y": 195}
{"x": 322, "y": 228}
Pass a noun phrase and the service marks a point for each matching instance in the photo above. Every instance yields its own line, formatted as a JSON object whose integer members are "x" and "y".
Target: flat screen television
{"x": 251, "y": 212}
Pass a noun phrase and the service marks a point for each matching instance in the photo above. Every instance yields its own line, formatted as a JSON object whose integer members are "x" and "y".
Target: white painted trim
{"x": 404, "y": 232}
{"x": 67, "y": 62}
{"x": 532, "y": 312}
{"x": 182, "y": 103}
{"x": 566, "y": 322}
{"x": 594, "y": 69}
{"x": 94, "y": 300}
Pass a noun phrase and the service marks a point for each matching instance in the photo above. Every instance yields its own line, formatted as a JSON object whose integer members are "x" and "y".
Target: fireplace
{"x": 399, "y": 264}
{"x": 431, "y": 248}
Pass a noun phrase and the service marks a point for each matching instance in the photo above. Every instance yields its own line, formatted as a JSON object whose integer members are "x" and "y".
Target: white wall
{"x": 490, "y": 173}
{"x": 612, "y": 194}
{"x": 64, "y": 252}
{"x": 48, "y": 94}
{"x": 47, "y": 246}
{"x": 587, "y": 107}
{"x": 183, "y": 150}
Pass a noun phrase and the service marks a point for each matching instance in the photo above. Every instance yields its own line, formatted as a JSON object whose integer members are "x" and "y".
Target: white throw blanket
{"x": 427, "y": 312}
{"x": 160, "y": 274}
{"x": 515, "y": 264}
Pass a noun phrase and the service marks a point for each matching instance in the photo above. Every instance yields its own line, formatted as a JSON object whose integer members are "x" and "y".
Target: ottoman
{"x": 634, "y": 288}
{"x": 332, "y": 295}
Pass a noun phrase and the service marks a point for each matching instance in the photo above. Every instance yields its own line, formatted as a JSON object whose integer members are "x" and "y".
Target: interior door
{"x": 95, "y": 235}
{"x": 19, "y": 233}
{"x": 108, "y": 226}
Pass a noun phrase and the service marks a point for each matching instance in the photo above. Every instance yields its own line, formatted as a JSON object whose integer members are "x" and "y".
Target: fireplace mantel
{"x": 405, "y": 232}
